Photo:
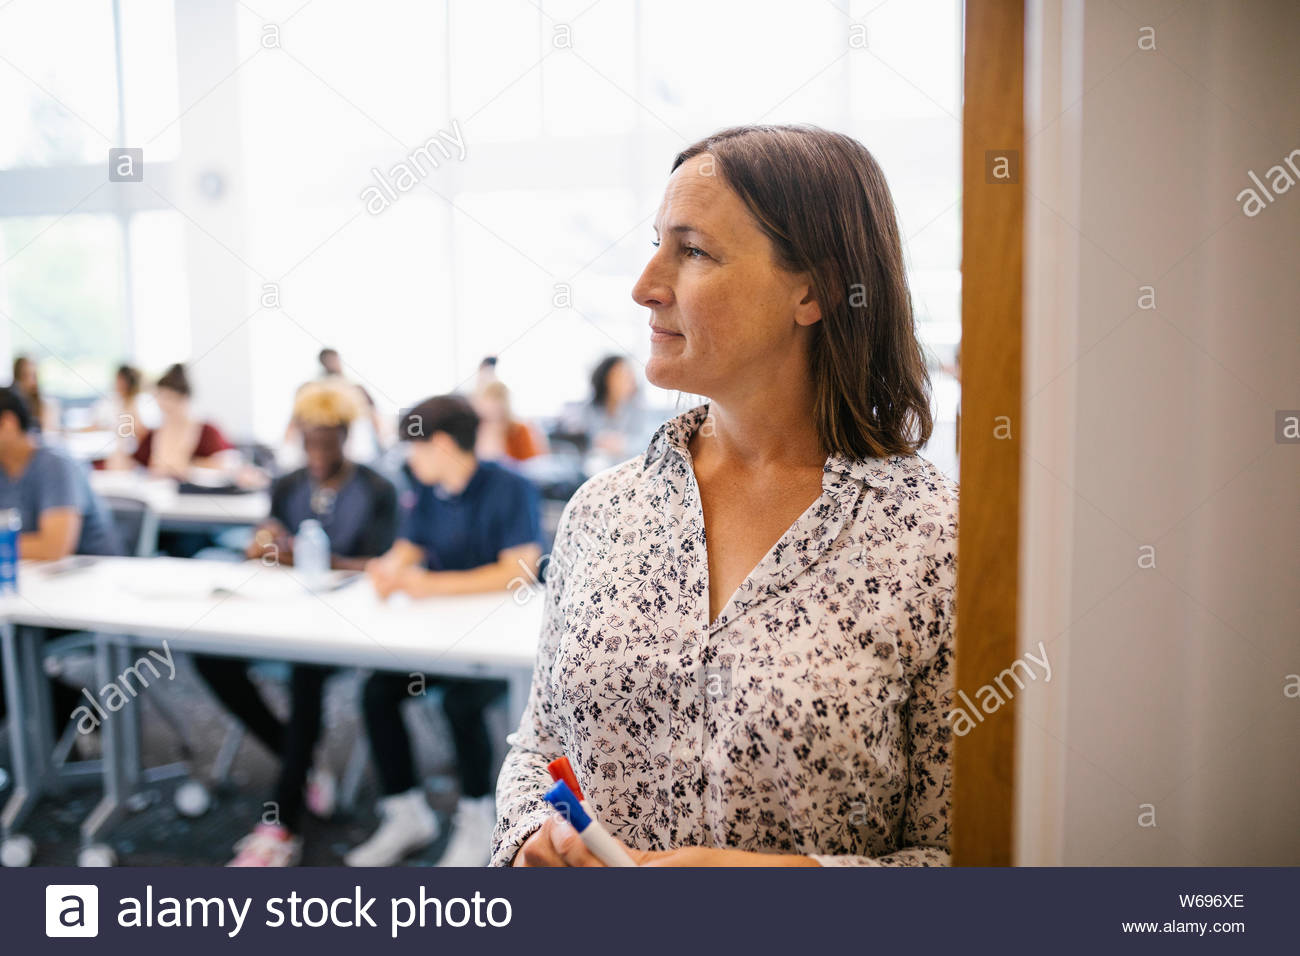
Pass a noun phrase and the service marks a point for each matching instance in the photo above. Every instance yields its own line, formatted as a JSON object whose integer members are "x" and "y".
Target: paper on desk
{"x": 206, "y": 580}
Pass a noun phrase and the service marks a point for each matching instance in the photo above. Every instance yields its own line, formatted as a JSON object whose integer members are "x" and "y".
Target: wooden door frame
{"x": 991, "y": 426}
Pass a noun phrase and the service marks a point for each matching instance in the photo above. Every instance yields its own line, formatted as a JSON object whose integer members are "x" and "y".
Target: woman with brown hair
{"x": 45, "y": 411}
{"x": 748, "y": 642}
{"x": 181, "y": 441}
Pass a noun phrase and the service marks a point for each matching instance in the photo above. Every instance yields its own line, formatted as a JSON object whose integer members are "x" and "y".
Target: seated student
{"x": 358, "y": 510}
{"x": 367, "y": 440}
{"x": 472, "y": 528}
{"x": 59, "y": 512}
{"x": 128, "y": 412}
{"x": 181, "y": 441}
{"x": 502, "y": 436}
{"x": 612, "y": 424}
{"x": 45, "y": 412}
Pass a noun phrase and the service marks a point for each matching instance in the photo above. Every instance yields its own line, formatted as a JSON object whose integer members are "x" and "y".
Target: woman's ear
{"x": 808, "y": 310}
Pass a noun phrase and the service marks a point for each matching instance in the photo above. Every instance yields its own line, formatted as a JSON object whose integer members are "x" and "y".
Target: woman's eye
{"x": 694, "y": 252}
{"x": 655, "y": 243}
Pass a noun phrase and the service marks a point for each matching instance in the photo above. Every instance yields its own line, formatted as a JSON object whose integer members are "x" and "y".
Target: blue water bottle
{"x": 11, "y": 524}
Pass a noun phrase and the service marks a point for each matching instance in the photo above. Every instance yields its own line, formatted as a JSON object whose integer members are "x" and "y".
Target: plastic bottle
{"x": 11, "y": 524}
{"x": 311, "y": 553}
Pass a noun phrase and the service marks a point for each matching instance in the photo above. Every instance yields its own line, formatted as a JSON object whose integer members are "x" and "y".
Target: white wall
{"x": 1154, "y": 428}
{"x": 223, "y": 298}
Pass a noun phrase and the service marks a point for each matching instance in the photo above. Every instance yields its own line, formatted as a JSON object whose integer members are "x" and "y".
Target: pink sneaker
{"x": 268, "y": 845}
{"x": 321, "y": 793}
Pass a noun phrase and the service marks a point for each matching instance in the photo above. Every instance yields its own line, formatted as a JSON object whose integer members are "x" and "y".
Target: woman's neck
{"x": 767, "y": 426}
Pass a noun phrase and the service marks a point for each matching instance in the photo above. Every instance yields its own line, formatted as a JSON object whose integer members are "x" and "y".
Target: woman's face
{"x": 621, "y": 382}
{"x": 724, "y": 315}
{"x": 172, "y": 404}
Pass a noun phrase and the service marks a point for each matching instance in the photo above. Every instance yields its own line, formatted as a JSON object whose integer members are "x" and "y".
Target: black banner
{"x": 733, "y": 912}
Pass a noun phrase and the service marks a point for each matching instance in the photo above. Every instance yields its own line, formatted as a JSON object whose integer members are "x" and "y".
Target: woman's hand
{"x": 556, "y": 843}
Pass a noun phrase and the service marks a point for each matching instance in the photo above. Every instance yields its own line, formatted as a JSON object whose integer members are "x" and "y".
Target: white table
{"x": 133, "y": 604}
{"x": 182, "y": 510}
{"x": 86, "y": 446}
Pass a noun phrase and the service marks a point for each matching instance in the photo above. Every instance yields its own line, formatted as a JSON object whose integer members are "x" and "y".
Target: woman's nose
{"x": 652, "y": 289}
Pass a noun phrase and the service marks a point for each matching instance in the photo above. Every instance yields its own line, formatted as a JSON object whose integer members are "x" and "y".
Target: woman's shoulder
{"x": 211, "y": 440}
{"x": 906, "y": 500}
{"x": 611, "y": 492}
{"x": 912, "y": 480}
{"x": 612, "y": 483}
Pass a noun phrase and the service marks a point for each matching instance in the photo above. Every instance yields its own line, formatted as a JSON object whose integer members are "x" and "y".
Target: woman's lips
{"x": 663, "y": 335}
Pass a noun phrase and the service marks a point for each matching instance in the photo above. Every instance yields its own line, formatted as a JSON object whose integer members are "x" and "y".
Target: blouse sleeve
{"x": 925, "y": 831}
{"x": 524, "y": 779}
{"x": 211, "y": 441}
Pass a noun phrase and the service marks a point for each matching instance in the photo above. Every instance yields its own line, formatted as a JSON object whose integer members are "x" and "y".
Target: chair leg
{"x": 165, "y": 711}
{"x": 226, "y": 755}
{"x": 355, "y": 772}
{"x": 64, "y": 747}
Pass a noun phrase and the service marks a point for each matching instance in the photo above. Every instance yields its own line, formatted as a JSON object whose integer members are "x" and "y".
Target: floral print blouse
{"x": 810, "y": 717}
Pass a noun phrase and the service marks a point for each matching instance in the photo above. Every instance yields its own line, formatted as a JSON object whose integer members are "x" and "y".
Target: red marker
{"x": 562, "y": 771}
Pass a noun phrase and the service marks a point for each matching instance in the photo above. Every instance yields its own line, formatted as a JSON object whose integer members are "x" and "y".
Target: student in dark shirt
{"x": 473, "y": 527}
{"x": 60, "y": 513}
{"x": 358, "y": 510}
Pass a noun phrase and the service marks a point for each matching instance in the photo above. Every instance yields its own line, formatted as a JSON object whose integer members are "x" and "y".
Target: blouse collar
{"x": 839, "y": 471}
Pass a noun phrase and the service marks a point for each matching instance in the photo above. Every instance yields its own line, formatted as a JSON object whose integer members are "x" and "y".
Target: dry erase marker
{"x": 603, "y": 846}
{"x": 561, "y": 769}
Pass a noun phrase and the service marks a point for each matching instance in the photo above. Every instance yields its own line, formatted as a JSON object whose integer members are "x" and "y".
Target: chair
{"x": 137, "y": 527}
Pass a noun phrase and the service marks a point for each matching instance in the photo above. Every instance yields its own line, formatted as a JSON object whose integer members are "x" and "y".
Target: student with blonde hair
{"x": 500, "y": 434}
{"x": 357, "y": 507}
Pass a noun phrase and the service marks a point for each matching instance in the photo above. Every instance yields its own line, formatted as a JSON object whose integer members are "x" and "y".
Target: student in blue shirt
{"x": 60, "y": 513}
{"x": 473, "y": 527}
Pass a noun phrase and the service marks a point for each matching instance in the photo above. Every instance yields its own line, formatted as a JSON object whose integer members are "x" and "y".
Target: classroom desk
{"x": 86, "y": 446}
{"x": 176, "y": 510}
{"x": 135, "y": 604}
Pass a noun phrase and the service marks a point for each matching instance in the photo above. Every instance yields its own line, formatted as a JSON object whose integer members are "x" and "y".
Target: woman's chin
{"x": 663, "y": 372}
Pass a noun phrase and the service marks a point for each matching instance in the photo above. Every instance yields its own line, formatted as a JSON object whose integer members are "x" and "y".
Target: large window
{"x": 88, "y": 277}
{"x": 526, "y": 246}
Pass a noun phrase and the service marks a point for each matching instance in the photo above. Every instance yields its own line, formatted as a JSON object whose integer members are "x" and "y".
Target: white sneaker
{"x": 471, "y": 835}
{"x": 408, "y": 825}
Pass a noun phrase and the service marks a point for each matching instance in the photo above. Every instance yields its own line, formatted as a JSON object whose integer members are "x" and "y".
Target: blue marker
{"x": 597, "y": 839}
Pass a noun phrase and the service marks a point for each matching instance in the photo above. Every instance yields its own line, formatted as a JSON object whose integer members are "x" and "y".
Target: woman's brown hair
{"x": 130, "y": 376}
{"x": 176, "y": 380}
{"x": 823, "y": 201}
